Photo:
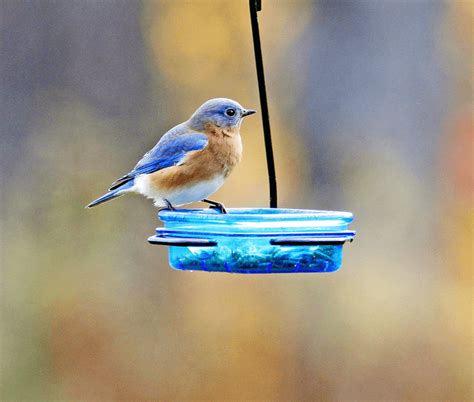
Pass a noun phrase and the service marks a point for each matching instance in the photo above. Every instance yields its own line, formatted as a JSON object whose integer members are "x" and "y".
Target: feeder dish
{"x": 267, "y": 240}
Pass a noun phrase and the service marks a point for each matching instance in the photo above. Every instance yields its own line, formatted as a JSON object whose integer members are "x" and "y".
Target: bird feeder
{"x": 269, "y": 240}
{"x": 255, "y": 241}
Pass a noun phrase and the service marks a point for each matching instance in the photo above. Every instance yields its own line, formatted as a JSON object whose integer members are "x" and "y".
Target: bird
{"x": 190, "y": 162}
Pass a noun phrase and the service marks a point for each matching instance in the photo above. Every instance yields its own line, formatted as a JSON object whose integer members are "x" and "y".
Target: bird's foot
{"x": 216, "y": 205}
{"x": 169, "y": 206}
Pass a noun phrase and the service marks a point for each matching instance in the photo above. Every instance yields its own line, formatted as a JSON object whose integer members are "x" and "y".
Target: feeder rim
{"x": 253, "y": 214}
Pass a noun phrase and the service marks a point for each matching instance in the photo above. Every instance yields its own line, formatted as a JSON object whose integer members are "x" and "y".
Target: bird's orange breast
{"x": 222, "y": 153}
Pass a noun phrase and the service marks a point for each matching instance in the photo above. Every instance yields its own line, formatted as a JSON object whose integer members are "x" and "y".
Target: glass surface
{"x": 243, "y": 240}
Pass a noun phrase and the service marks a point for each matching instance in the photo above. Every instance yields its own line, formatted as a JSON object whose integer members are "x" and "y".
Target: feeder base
{"x": 254, "y": 241}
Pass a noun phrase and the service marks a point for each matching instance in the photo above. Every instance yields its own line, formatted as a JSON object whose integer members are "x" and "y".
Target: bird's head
{"x": 221, "y": 112}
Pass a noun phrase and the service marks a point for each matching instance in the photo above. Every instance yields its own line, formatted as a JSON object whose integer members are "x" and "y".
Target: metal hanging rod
{"x": 255, "y": 6}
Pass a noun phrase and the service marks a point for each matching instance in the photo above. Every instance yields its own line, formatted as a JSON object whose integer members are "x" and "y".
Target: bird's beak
{"x": 248, "y": 112}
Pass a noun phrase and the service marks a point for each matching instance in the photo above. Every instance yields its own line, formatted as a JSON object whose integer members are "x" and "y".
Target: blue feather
{"x": 117, "y": 192}
{"x": 169, "y": 151}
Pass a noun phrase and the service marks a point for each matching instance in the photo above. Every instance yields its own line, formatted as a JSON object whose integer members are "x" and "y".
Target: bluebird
{"x": 191, "y": 161}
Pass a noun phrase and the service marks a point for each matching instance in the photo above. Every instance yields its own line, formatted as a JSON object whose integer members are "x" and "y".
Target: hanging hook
{"x": 255, "y": 6}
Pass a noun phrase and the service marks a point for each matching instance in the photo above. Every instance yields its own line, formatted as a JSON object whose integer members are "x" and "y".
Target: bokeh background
{"x": 371, "y": 109}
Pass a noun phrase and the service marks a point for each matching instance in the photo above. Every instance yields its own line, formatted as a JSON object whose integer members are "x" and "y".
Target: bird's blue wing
{"x": 169, "y": 151}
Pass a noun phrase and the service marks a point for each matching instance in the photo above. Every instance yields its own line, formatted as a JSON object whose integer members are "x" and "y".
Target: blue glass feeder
{"x": 254, "y": 241}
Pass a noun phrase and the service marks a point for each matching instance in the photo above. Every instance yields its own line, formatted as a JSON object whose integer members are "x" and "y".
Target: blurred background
{"x": 371, "y": 110}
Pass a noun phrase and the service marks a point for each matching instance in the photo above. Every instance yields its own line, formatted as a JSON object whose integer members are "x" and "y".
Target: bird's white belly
{"x": 179, "y": 196}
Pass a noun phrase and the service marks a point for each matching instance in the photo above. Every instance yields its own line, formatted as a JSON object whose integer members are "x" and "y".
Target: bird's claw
{"x": 216, "y": 205}
{"x": 169, "y": 206}
{"x": 219, "y": 207}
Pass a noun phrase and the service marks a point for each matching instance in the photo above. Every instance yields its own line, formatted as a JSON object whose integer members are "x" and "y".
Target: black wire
{"x": 256, "y": 5}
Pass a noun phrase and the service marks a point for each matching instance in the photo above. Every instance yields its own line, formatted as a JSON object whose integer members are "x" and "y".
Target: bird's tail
{"x": 117, "y": 192}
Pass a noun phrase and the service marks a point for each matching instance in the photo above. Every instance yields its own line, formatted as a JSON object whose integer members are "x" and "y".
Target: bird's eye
{"x": 230, "y": 112}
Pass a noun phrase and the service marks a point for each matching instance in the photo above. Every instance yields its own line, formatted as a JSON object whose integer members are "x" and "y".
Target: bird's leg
{"x": 215, "y": 205}
{"x": 169, "y": 205}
